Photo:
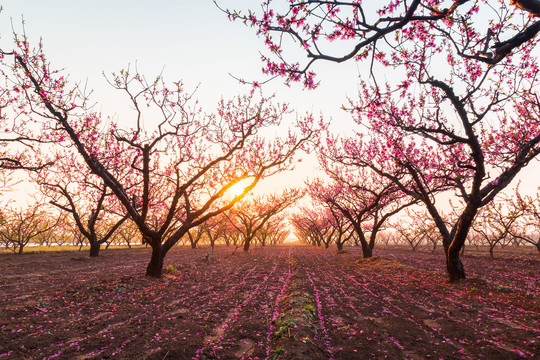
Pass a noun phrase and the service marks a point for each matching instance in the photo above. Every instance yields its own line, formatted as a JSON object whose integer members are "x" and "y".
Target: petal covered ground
{"x": 278, "y": 302}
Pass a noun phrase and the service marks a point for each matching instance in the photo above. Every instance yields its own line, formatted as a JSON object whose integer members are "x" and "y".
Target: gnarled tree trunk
{"x": 247, "y": 243}
{"x": 455, "y": 243}
{"x": 156, "y": 261}
{"x": 94, "y": 248}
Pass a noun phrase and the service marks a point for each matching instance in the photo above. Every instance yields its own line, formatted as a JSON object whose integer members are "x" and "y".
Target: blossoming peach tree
{"x": 470, "y": 132}
{"x": 464, "y": 114}
{"x": 21, "y": 144}
{"x": 338, "y": 31}
{"x": 275, "y": 231}
{"x": 70, "y": 186}
{"x": 528, "y": 228}
{"x": 251, "y": 215}
{"x": 364, "y": 198}
{"x": 171, "y": 167}
{"x": 313, "y": 226}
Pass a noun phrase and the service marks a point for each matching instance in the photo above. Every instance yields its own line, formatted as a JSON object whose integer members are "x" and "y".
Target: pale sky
{"x": 192, "y": 40}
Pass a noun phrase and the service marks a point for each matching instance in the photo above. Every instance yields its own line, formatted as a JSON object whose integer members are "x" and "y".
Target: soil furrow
{"x": 269, "y": 303}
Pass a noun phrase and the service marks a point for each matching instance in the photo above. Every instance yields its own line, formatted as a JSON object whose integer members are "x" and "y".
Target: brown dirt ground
{"x": 278, "y": 303}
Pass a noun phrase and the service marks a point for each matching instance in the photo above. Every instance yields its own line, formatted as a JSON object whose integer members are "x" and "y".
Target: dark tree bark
{"x": 247, "y": 243}
{"x": 94, "y": 248}
{"x": 156, "y": 262}
{"x": 233, "y": 137}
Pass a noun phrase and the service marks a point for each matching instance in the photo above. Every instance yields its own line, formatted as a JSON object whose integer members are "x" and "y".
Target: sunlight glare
{"x": 238, "y": 188}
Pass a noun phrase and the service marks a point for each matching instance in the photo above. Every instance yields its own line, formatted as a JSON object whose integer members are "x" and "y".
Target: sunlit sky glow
{"x": 188, "y": 40}
{"x": 192, "y": 41}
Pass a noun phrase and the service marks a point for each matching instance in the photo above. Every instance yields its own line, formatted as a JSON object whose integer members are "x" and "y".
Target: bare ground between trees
{"x": 281, "y": 302}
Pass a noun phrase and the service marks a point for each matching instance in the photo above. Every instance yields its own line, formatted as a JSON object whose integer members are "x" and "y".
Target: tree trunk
{"x": 21, "y": 246}
{"x": 456, "y": 242}
{"x": 491, "y": 252}
{"x": 367, "y": 252}
{"x": 326, "y": 245}
{"x": 339, "y": 246}
{"x": 454, "y": 267}
{"x": 193, "y": 245}
{"x": 94, "y": 249}
{"x": 246, "y": 244}
{"x": 156, "y": 262}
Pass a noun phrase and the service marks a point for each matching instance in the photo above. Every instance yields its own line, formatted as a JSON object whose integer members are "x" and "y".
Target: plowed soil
{"x": 270, "y": 303}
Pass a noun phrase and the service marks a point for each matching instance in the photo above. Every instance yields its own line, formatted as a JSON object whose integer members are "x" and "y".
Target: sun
{"x": 238, "y": 188}
{"x": 235, "y": 190}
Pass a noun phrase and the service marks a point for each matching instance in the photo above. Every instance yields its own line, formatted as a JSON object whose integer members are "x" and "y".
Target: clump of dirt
{"x": 380, "y": 262}
{"x": 80, "y": 258}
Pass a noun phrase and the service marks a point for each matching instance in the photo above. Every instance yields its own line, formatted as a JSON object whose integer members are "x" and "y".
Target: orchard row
{"x": 448, "y": 104}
